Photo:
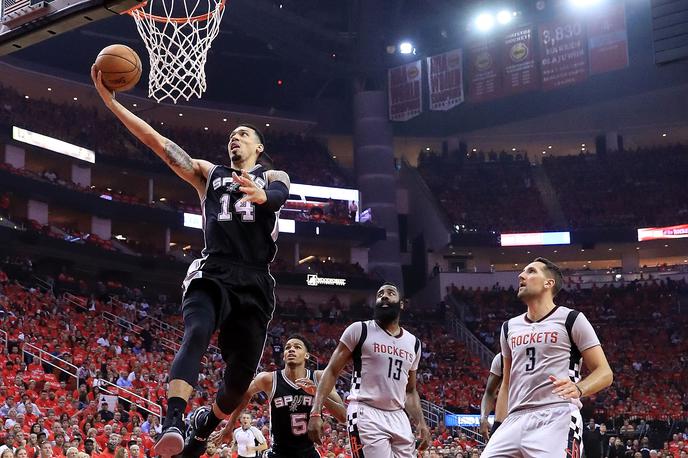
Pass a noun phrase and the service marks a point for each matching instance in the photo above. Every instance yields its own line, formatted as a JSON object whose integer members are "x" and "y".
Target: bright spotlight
{"x": 504, "y": 17}
{"x": 406, "y": 47}
{"x": 484, "y": 22}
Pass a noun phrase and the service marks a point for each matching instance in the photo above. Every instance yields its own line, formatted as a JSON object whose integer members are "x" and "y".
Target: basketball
{"x": 120, "y": 67}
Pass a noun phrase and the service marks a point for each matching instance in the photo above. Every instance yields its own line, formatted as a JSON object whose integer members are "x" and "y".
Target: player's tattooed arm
{"x": 177, "y": 158}
{"x": 193, "y": 171}
{"x": 278, "y": 175}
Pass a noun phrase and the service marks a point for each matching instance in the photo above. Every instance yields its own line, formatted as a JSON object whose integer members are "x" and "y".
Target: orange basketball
{"x": 120, "y": 67}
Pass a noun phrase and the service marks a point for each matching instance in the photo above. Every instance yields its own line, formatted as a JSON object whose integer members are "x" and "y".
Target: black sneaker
{"x": 194, "y": 446}
{"x": 171, "y": 440}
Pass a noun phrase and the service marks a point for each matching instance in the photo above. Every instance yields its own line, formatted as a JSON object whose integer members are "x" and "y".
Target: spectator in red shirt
{"x": 46, "y": 450}
{"x": 90, "y": 446}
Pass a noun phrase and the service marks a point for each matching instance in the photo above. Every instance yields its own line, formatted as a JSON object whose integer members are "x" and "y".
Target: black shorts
{"x": 244, "y": 300}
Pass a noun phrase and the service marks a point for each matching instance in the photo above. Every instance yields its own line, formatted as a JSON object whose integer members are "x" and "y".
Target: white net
{"x": 178, "y": 38}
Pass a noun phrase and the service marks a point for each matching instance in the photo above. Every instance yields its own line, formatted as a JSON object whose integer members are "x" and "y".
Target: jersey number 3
{"x": 530, "y": 364}
{"x": 245, "y": 209}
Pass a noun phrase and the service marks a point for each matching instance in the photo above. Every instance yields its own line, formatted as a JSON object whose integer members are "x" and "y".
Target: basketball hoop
{"x": 178, "y": 40}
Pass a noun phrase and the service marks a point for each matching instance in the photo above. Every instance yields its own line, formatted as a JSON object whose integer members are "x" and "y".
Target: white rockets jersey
{"x": 497, "y": 366}
{"x": 381, "y": 364}
{"x": 543, "y": 348}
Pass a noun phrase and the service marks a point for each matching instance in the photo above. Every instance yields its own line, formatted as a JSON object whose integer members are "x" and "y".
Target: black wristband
{"x": 580, "y": 392}
{"x": 276, "y": 194}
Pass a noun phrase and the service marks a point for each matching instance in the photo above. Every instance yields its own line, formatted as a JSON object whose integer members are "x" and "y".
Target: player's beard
{"x": 386, "y": 315}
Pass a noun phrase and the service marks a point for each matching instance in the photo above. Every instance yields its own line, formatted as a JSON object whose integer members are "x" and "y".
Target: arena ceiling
{"x": 315, "y": 48}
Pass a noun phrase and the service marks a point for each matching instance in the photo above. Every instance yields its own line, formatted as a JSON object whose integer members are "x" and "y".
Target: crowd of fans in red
{"x": 497, "y": 195}
{"x": 88, "y": 128}
{"x": 642, "y": 188}
{"x": 620, "y": 189}
{"x": 97, "y": 341}
{"x": 650, "y": 363}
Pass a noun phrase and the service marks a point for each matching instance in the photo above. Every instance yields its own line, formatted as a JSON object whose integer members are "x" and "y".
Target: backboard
{"x": 25, "y": 22}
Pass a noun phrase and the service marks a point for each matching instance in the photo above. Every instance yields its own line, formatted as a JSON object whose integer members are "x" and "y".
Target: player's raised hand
{"x": 565, "y": 388}
{"x": 220, "y": 437}
{"x": 104, "y": 93}
{"x": 252, "y": 193}
{"x": 315, "y": 429}
{"x": 307, "y": 385}
{"x": 425, "y": 437}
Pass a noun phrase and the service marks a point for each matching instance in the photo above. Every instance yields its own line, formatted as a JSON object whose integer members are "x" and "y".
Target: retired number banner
{"x": 520, "y": 66}
{"x": 445, "y": 80}
{"x": 563, "y": 59}
{"x": 405, "y": 95}
{"x": 484, "y": 71}
{"x": 607, "y": 39}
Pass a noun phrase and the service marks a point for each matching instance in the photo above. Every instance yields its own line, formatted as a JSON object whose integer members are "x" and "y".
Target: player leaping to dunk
{"x": 230, "y": 288}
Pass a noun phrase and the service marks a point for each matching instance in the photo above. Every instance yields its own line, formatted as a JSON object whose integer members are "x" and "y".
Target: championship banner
{"x": 563, "y": 60}
{"x": 484, "y": 81}
{"x": 445, "y": 80}
{"x": 520, "y": 68}
{"x": 607, "y": 39}
{"x": 405, "y": 95}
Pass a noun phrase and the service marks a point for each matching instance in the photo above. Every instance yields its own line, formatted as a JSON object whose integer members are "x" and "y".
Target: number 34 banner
{"x": 445, "y": 80}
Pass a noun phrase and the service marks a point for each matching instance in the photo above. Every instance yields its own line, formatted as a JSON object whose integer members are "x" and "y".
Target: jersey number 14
{"x": 245, "y": 209}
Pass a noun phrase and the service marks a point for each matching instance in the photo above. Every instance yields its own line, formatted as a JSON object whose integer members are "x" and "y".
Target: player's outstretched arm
{"x": 600, "y": 376}
{"x": 334, "y": 403}
{"x": 488, "y": 403}
{"x": 340, "y": 357}
{"x": 415, "y": 411}
{"x": 193, "y": 171}
{"x": 262, "y": 382}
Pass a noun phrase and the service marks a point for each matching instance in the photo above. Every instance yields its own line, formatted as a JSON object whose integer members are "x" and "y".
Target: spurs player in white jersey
{"x": 383, "y": 396}
{"x": 542, "y": 351}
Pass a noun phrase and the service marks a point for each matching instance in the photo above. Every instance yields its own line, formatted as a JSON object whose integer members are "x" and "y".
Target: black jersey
{"x": 243, "y": 231}
{"x": 290, "y": 408}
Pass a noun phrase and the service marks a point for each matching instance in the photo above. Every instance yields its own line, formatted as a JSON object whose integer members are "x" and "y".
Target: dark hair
{"x": 305, "y": 341}
{"x": 555, "y": 272}
{"x": 389, "y": 283}
{"x": 256, "y": 130}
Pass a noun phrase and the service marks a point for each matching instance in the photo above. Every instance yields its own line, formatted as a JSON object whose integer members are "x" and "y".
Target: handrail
{"x": 102, "y": 381}
{"x": 75, "y": 300}
{"x": 162, "y": 326}
{"x": 441, "y": 412}
{"x": 43, "y": 283}
{"x": 42, "y": 360}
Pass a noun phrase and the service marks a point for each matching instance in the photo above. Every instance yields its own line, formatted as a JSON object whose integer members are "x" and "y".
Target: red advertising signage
{"x": 520, "y": 70}
{"x": 484, "y": 69}
{"x": 607, "y": 39}
{"x": 445, "y": 80}
{"x": 405, "y": 95}
{"x": 563, "y": 60}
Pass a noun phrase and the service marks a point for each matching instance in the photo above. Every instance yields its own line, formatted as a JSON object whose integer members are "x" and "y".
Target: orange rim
{"x": 137, "y": 11}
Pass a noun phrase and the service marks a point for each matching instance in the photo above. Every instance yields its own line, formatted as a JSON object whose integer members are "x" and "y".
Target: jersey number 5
{"x": 245, "y": 209}
{"x": 299, "y": 424}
